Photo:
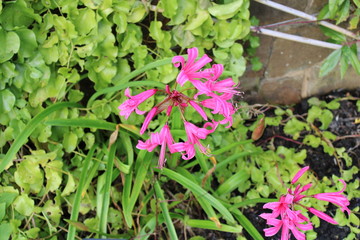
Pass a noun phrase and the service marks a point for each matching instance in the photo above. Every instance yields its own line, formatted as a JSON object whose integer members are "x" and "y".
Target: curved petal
{"x": 198, "y": 109}
{"x": 322, "y": 215}
{"x": 147, "y": 120}
{"x": 178, "y": 60}
{"x": 299, "y": 174}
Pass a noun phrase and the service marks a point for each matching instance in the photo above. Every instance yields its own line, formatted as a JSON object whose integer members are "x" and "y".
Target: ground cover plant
{"x": 88, "y": 110}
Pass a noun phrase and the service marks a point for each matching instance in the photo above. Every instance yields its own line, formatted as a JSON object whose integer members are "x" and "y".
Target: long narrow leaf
{"x": 77, "y": 200}
{"x": 130, "y": 195}
{"x": 141, "y": 173}
{"x": 199, "y": 191}
{"x": 245, "y": 222}
{"x": 248, "y": 202}
{"x": 233, "y": 182}
{"x": 165, "y": 211}
{"x": 106, "y": 189}
{"x": 205, "y": 205}
{"x": 207, "y": 224}
{"x": 83, "y": 122}
{"x": 232, "y": 158}
{"x": 30, "y": 127}
{"x": 230, "y": 146}
{"x": 92, "y": 123}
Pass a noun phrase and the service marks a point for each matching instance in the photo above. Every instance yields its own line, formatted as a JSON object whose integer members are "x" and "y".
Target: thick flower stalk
{"x": 215, "y": 95}
{"x": 284, "y": 217}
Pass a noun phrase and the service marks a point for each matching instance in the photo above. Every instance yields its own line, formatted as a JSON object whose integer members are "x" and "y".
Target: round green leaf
{"x": 87, "y": 16}
{"x": 225, "y": 11}
{"x": 7, "y": 100}
{"x": 70, "y": 141}
{"x": 24, "y": 205}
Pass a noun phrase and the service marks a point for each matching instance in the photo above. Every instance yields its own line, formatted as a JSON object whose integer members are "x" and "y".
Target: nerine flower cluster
{"x": 284, "y": 217}
{"x": 216, "y": 95}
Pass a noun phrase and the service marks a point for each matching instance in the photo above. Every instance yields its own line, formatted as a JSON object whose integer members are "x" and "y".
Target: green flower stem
{"x": 30, "y": 127}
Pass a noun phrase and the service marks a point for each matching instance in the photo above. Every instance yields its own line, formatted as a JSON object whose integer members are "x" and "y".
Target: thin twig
{"x": 347, "y": 136}
{"x": 308, "y": 17}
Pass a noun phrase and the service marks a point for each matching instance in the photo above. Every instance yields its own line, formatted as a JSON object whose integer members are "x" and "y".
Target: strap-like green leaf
{"x": 199, "y": 191}
{"x": 30, "y": 127}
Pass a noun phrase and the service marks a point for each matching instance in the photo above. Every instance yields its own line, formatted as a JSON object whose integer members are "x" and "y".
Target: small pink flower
{"x": 220, "y": 105}
{"x": 276, "y": 223}
{"x": 190, "y": 68}
{"x": 194, "y": 134}
{"x": 292, "y": 221}
{"x": 336, "y": 198}
{"x": 163, "y": 139}
{"x": 278, "y": 208}
{"x": 212, "y": 84}
{"x": 132, "y": 104}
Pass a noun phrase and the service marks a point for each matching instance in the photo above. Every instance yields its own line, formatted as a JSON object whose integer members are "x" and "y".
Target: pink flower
{"x": 194, "y": 134}
{"x": 132, "y": 104}
{"x": 163, "y": 139}
{"x": 190, "y": 68}
{"x": 291, "y": 220}
{"x": 219, "y": 105}
{"x": 212, "y": 85}
{"x": 205, "y": 81}
{"x": 276, "y": 223}
{"x": 186, "y": 147}
{"x": 279, "y": 208}
{"x": 335, "y": 198}
{"x": 294, "y": 223}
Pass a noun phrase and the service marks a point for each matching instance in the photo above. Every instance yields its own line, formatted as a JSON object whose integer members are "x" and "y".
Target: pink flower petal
{"x": 147, "y": 120}
{"x": 322, "y": 215}
{"x": 190, "y": 69}
{"x": 299, "y": 174}
{"x": 130, "y": 105}
{"x": 198, "y": 109}
{"x": 336, "y": 198}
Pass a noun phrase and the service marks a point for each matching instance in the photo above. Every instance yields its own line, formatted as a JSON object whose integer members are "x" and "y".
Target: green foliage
{"x": 341, "y": 11}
